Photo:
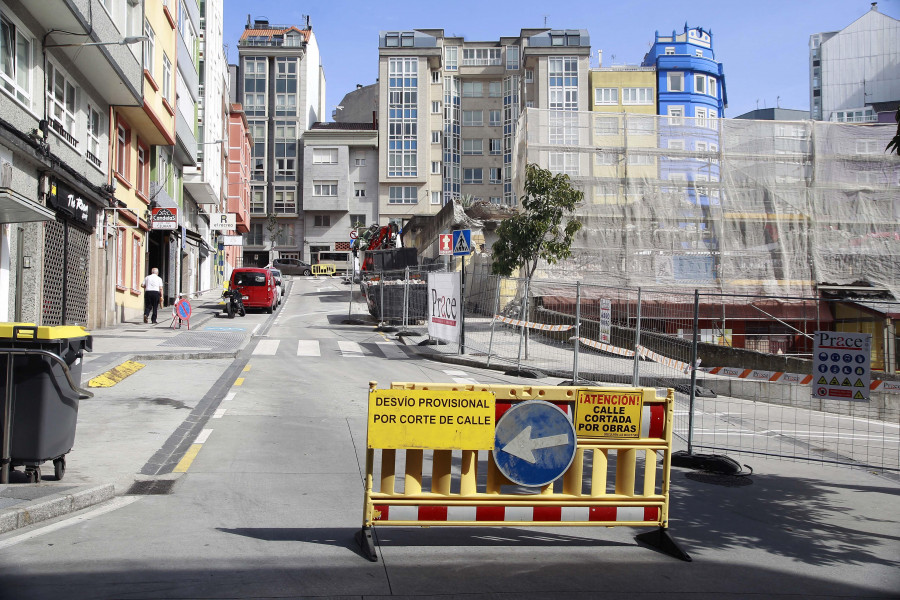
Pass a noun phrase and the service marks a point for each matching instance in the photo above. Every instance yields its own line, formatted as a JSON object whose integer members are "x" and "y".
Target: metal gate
{"x": 66, "y": 274}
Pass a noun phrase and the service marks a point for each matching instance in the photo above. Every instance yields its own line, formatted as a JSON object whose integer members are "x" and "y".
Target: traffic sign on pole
{"x": 462, "y": 242}
{"x": 534, "y": 443}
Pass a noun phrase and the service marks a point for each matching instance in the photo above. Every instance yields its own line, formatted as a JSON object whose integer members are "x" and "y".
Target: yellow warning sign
{"x": 439, "y": 420}
{"x": 608, "y": 414}
{"x": 834, "y": 381}
{"x": 846, "y": 382}
{"x": 822, "y": 381}
{"x": 858, "y": 383}
{"x": 859, "y": 396}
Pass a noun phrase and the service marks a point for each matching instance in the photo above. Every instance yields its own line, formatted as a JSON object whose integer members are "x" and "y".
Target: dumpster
{"x": 40, "y": 403}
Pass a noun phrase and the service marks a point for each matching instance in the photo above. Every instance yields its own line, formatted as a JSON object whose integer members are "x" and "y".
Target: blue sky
{"x": 763, "y": 45}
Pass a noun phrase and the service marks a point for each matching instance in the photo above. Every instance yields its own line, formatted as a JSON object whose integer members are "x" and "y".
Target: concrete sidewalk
{"x": 23, "y": 504}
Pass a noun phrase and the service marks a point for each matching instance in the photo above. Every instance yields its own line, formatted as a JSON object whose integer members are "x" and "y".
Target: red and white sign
{"x": 444, "y": 306}
{"x": 445, "y": 244}
{"x": 164, "y": 218}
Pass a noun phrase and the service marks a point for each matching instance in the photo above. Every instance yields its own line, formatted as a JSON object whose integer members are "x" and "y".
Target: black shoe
{"x": 154, "y": 322}
{"x": 145, "y": 318}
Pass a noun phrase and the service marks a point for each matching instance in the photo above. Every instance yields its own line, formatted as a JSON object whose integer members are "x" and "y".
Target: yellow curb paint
{"x": 239, "y": 381}
{"x": 185, "y": 463}
{"x": 247, "y": 368}
{"x": 116, "y": 374}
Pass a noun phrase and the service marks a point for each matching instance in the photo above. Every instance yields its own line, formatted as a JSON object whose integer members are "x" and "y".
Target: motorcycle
{"x": 233, "y": 303}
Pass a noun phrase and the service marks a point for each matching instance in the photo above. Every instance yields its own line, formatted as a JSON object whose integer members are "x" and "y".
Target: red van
{"x": 257, "y": 287}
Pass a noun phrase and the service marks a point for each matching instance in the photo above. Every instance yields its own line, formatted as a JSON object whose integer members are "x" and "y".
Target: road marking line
{"x": 391, "y": 350}
{"x": 465, "y": 381}
{"x": 350, "y": 349}
{"x": 247, "y": 368}
{"x": 116, "y": 374}
{"x": 110, "y": 506}
{"x": 204, "y": 435}
{"x": 308, "y": 348}
{"x": 267, "y": 347}
{"x": 220, "y": 412}
{"x": 457, "y": 373}
{"x": 239, "y": 381}
{"x": 229, "y": 397}
{"x": 185, "y": 463}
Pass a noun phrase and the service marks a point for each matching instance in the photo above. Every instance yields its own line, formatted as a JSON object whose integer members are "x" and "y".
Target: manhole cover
{"x": 155, "y": 487}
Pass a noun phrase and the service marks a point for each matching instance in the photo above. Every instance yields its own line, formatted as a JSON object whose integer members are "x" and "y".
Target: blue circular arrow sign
{"x": 534, "y": 443}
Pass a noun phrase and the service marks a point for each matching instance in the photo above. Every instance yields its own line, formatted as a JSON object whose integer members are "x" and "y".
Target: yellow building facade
{"x": 136, "y": 133}
{"x": 624, "y": 100}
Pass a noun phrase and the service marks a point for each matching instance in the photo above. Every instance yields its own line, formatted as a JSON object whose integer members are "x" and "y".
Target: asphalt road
{"x": 272, "y": 491}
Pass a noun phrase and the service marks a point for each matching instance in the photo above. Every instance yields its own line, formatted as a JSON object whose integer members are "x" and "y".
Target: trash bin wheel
{"x": 59, "y": 467}
{"x": 33, "y": 474}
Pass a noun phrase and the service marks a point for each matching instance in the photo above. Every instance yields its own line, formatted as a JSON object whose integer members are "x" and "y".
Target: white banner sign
{"x": 222, "y": 221}
{"x": 232, "y": 240}
{"x": 605, "y": 320}
{"x": 444, "y": 306}
{"x": 841, "y": 365}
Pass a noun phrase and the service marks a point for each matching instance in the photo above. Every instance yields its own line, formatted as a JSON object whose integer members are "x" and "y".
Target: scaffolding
{"x": 727, "y": 205}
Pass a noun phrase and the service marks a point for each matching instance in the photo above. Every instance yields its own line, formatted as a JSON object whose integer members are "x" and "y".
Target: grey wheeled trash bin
{"x": 42, "y": 401}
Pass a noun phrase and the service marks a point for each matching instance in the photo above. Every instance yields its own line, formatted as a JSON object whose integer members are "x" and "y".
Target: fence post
{"x": 575, "y": 376}
{"x": 406, "y": 299}
{"x": 381, "y": 311}
{"x": 6, "y": 436}
{"x": 462, "y": 308}
{"x": 493, "y": 321}
{"x": 522, "y": 329}
{"x": 636, "y": 376}
{"x": 690, "y": 432}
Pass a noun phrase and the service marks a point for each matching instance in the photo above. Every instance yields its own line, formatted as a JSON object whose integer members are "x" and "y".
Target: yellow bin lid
{"x": 30, "y": 331}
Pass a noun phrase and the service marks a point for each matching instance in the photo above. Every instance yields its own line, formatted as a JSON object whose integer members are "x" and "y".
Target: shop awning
{"x": 16, "y": 208}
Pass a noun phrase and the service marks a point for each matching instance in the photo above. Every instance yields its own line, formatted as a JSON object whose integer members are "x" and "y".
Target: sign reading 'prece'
{"x": 440, "y": 420}
{"x": 609, "y": 414}
{"x": 444, "y": 306}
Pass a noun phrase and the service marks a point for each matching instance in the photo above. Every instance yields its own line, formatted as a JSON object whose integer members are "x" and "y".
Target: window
{"x": 475, "y": 175}
{"x": 700, "y": 146}
{"x": 359, "y": 161}
{"x": 676, "y": 145}
{"x": 564, "y": 162}
{"x": 675, "y": 82}
{"x": 867, "y": 146}
{"x": 472, "y": 89}
{"x": 496, "y": 200}
{"x": 481, "y": 57}
{"x": 436, "y": 136}
{"x": 402, "y": 151}
{"x": 606, "y": 125}
{"x": 495, "y": 118}
{"x": 93, "y": 136}
{"x": 150, "y": 48}
{"x": 123, "y": 140}
{"x": 255, "y": 88}
{"x": 640, "y": 159}
{"x": 325, "y": 156}
{"x": 435, "y": 107}
{"x": 167, "y": 78}
{"x": 435, "y": 77}
{"x": 496, "y": 146}
{"x": 606, "y": 95}
{"x": 675, "y": 115}
{"x": 512, "y": 58}
{"x": 637, "y": 96}
{"x": 495, "y": 89}
{"x": 322, "y": 221}
{"x": 605, "y": 159}
{"x": 15, "y": 60}
{"x": 120, "y": 251}
{"x": 473, "y": 146}
{"x": 285, "y": 201}
{"x": 359, "y": 190}
{"x": 357, "y": 220}
{"x": 529, "y": 76}
{"x": 435, "y": 197}
{"x": 286, "y": 86}
{"x": 62, "y": 103}
{"x": 325, "y": 188}
{"x": 495, "y": 175}
{"x": 135, "y": 263}
{"x": 698, "y": 52}
{"x": 699, "y": 84}
{"x": 399, "y": 39}
{"x": 563, "y": 82}
{"x": 700, "y": 117}
{"x": 472, "y": 118}
{"x": 435, "y": 167}
{"x": 143, "y": 170}
{"x": 258, "y": 201}
{"x": 402, "y": 194}
{"x": 711, "y": 88}
{"x": 670, "y": 50}
{"x": 451, "y": 58}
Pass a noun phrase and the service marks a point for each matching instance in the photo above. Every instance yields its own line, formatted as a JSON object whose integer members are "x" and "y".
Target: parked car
{"x": 257, "y": 287}
{"x": 279, "y": 281}
{"x": 292, "y": 266}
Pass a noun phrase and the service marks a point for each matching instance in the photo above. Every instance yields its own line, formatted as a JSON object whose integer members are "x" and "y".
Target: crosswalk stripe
{"x": 464, "y": 381}
{"x": 308, "y": 348}
{"x": 266, "y": 347}
{"x": 350, "y": 349}
{"x": 391, "y": 350}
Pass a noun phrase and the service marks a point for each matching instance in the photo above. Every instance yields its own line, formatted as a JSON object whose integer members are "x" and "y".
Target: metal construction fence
{"x": 750, "y": 393}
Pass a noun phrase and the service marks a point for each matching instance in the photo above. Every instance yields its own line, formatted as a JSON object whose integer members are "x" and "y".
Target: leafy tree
{"x": 895, "y": 142}
{"x": 538, "y": 232}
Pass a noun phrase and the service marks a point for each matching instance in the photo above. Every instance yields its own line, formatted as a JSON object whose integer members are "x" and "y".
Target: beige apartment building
{"x": 448, "y": 110}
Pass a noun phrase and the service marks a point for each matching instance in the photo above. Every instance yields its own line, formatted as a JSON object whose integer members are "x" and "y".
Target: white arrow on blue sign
{"x": 534, "y": 443}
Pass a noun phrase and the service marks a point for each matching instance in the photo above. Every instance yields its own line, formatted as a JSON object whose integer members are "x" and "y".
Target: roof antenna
{"x": 545, "y": 19}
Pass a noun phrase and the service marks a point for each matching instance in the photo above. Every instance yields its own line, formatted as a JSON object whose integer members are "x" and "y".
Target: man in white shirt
{"x": 152, "y": 285}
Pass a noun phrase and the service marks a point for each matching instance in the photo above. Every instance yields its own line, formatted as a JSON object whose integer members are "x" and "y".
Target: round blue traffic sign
{"x": 183, "y": 309}
{"x": 534, "y": 443}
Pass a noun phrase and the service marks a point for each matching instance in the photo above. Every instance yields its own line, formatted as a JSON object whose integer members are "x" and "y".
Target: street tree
{"x": 545, "y": 227}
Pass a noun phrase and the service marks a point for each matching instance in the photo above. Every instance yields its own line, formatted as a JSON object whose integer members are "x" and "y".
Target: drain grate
{"x": 155, "y": 487}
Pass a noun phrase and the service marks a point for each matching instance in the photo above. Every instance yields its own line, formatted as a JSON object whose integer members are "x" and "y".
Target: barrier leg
{"x": 366, "y": 543}
{"x": 659, "y": 539}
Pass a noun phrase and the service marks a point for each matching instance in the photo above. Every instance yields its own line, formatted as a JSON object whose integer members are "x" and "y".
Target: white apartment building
{"x": 448, "y": 109}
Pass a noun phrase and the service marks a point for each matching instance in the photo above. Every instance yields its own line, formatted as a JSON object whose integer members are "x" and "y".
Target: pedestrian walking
{"x": 152, "y": 285}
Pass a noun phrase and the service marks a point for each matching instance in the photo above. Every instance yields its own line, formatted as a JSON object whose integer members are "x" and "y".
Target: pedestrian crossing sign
{"x": 462, "y": 242}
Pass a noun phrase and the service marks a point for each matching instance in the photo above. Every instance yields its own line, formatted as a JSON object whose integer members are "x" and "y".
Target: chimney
{"x": 875, "y": 6}
{"x": 599, "y": 58}
{"x": 359, "y": 86}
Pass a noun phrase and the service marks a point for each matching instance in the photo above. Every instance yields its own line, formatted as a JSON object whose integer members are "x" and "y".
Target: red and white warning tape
{"x": 530, "y": 325}
{"x": 876, "y": 385}
{"x": 664, "y": 360}
{"x": 579, "y": 514}
{"x": 606, "y": 347}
